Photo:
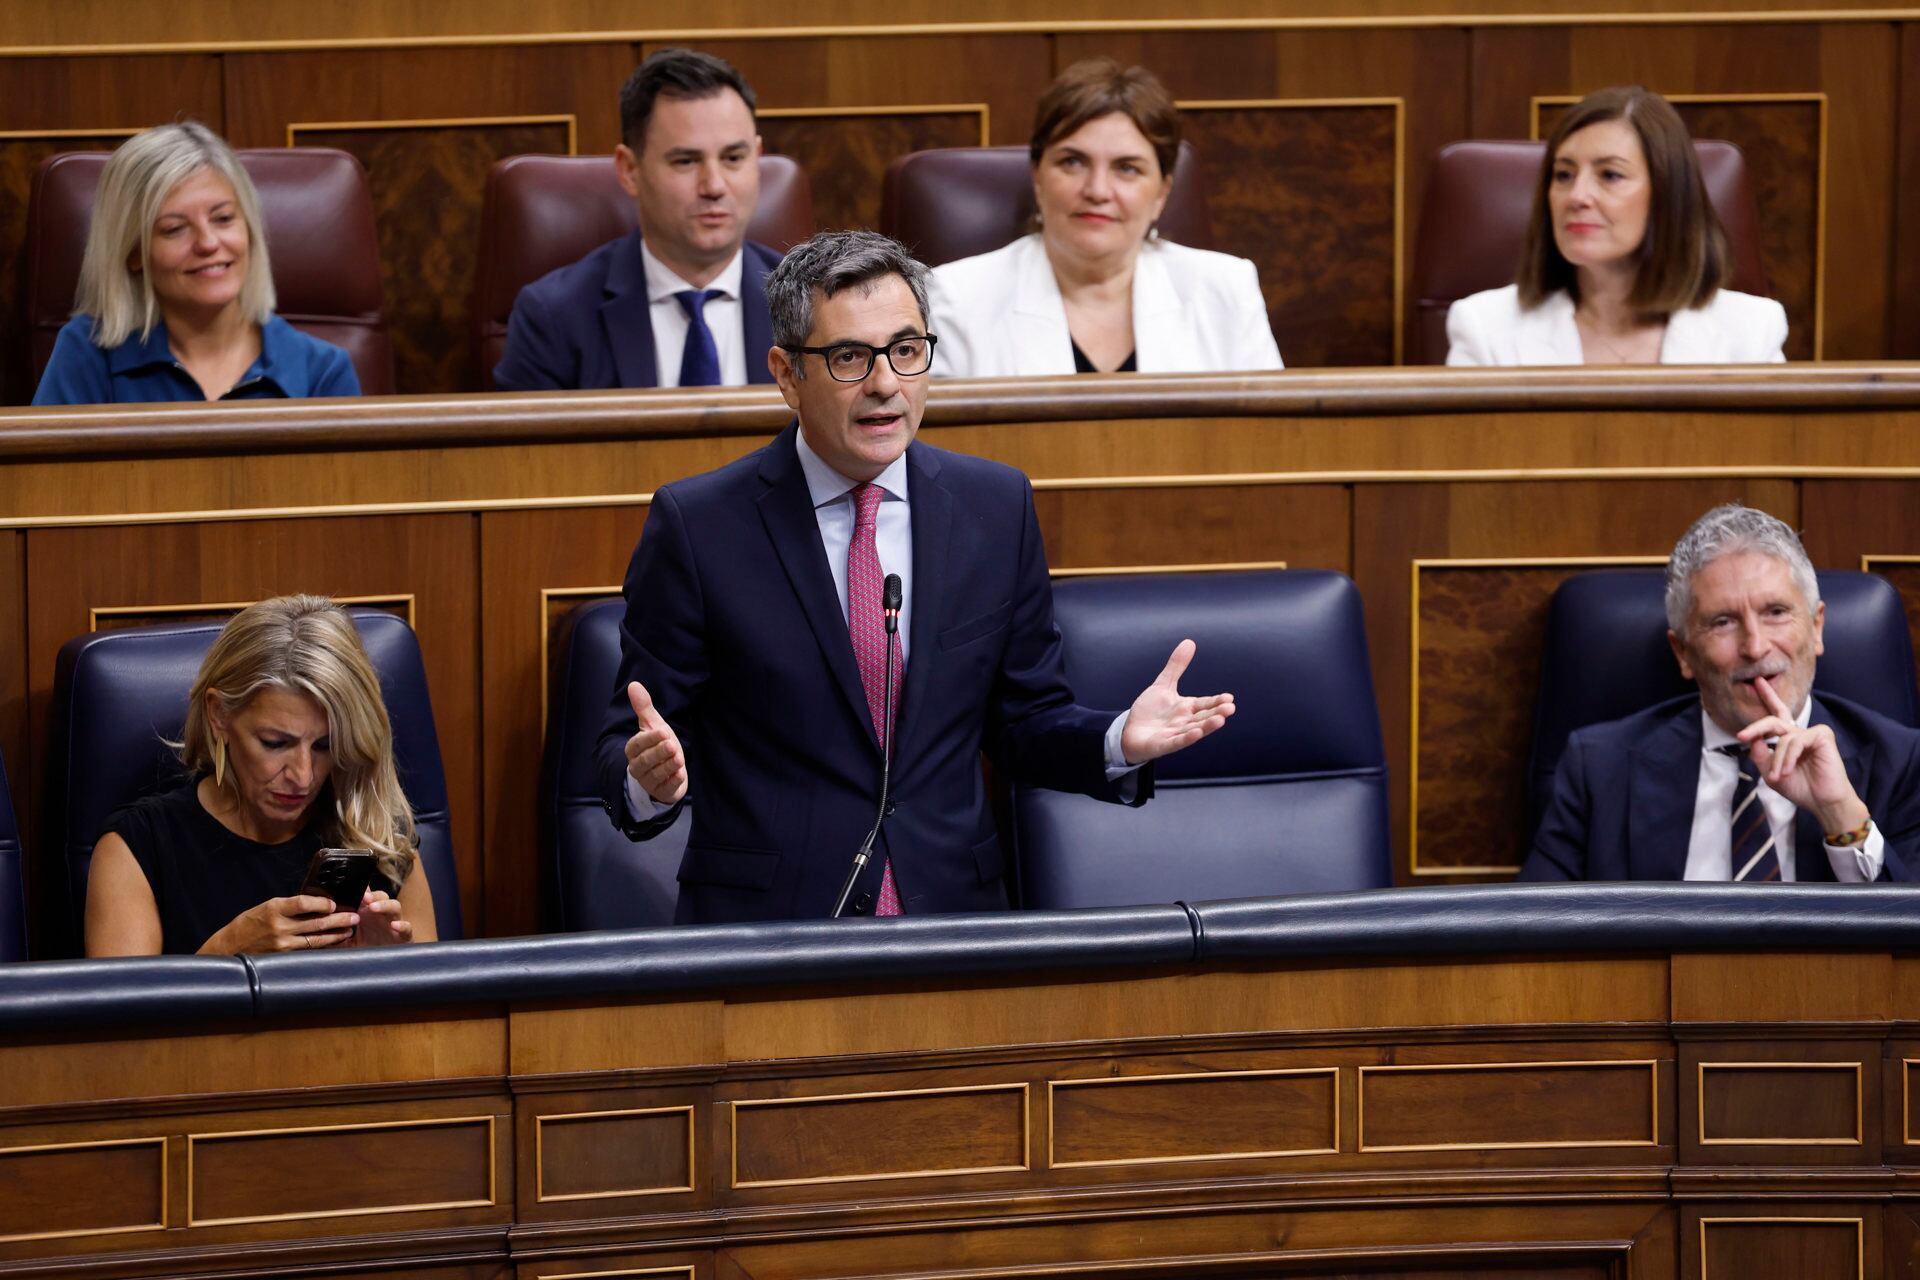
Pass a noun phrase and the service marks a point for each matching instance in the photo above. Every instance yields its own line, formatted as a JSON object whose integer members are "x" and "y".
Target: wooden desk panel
{"x": 1394, "y": 1124}
{"x": 1456, "y": 499}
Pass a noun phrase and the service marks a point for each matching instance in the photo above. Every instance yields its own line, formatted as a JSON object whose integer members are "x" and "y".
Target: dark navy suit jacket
{"x": 1623, "y": 795}
{"x": 587, "y": 325}
{"x": 734, "y": 627}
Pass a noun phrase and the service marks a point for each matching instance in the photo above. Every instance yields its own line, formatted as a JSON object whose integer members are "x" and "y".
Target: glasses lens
{"x": 849, "y": 363}
{"x": 909, "y": 356}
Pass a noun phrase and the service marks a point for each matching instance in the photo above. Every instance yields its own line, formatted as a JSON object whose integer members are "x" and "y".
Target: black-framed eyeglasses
{"x": 853, "y": 361}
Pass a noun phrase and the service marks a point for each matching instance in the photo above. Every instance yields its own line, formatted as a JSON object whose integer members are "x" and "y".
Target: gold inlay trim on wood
{"x": 688, "y": 1272}
{"x": 1819, "y": 168}
{"x": 980, "y": 109}
{"x": 493, "y": 1161}
{"x": 1653, "y": 1117}
{"x": 98, "y": 612}
{"x": 540, "y": 1169}
{"x": 547, "y": 596}
{"x": 1053, "y": 1086}
{"x": 46, "y": 1148}
{"x": 48, "y": 135}
{"x": 1859, "y": 1226}
{"x": 450, "y": 122}
{"x": 1399, "y": 106}
{"x": 1413, "y": 668}
{"x": 1026, "y": 1135}
{"x": 1906, "y": 1100}
{"x": 1223, "y": 566}
{"x": 1870, "y": 559}
{"x": 1700, "y": 1099}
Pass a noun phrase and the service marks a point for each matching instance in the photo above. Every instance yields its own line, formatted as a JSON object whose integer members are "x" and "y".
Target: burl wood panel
{"x": 1795, "y": 1248}
{"x": 954, "y": 1131}
{"x": 1207, "y": 1117}
{"x": 1780, "y": 1102}
{"x": 845, "y": 155}
{"x": 324, "y": 1172}
{"x": 601, "y": 1155}
{"x": 48, "y": 1192}
{"x": 1782, "y": 144}
{"x": 1606, "y": 1104}
{"x": 1308, "y": 193}
{"x": 427, "y": 186}
{"x": 1481, "y": 629}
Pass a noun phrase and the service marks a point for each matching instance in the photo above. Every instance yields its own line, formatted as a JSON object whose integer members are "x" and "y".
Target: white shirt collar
{"x": 1715, "y": 737}
{"x": 662, "y": 283}
{"x": 824, "y": 484}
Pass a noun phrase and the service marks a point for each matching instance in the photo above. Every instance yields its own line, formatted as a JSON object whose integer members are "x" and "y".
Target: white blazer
{"x": 1194, "y": 311}
{"x": 1492, "y": 328}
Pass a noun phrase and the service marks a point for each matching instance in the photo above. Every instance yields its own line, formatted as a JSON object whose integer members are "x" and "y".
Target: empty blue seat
{"x": 597, "y": 878}
{"x": 1606, "y": 656}
{"x": 1290, "y": 797}
{"x": 13, "y": 885}
{"x": 118, "y": 693}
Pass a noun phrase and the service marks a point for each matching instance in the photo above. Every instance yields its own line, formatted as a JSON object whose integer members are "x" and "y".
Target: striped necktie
{"x": 1754, "y": 857}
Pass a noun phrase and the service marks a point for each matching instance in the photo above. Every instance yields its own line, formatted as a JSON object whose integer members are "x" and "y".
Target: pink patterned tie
{"x": 870, "y": 643}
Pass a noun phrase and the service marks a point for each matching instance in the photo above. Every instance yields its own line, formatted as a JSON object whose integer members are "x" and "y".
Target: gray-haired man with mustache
{"x": 1760, "y": 780}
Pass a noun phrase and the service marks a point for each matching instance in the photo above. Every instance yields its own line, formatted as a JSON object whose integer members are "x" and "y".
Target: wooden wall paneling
{"x": 13, "y": 674}
{"x": 845, "y": 150}
{"x": 1903, "y": 335}
{"x": 1095, "y": 528}
{"x": 463, "y": 109}
{"x": 77, "y": 104}
{"x": 1739, "y": 1242}
{"x": 1864, "y": 524}
{"x": 536, "y": 566}
{"x": 1396, "y": 525}
{"x": 431, "y": 557}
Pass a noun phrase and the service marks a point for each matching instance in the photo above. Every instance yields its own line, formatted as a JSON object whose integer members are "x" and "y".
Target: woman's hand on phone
{"x": 302, "y": 922}
{"x": 380, "y": 922}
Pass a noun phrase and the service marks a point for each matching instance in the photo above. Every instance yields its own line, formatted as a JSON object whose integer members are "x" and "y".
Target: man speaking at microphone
{"x": 753, "y": 675}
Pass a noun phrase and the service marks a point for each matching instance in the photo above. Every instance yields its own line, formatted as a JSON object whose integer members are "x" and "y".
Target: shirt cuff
{"x": 1124, "y": 776}
{"x": 641, "y": 806}
{"x": 1858, "y": 863}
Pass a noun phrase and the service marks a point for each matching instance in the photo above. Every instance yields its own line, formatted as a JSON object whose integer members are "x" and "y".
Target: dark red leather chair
{"x": 1474, "y": 218}
{"x": 542, "y": 212}
{"x": 955, "y": 202}
{"x": 319, "y": 225}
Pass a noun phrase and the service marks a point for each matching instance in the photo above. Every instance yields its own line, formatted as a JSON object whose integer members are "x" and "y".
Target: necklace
{"x": 1631, "y": 356}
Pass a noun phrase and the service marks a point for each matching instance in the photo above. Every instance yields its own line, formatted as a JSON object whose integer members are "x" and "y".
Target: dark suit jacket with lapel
{"x": 1623, "y": 795}
{"x": 734, "y": 627}
{"x": 587, "y": 325}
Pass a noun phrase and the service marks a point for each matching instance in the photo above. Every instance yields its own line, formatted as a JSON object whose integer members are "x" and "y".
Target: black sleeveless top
{"x": 1083, "y": 365}
{"x": 202, "y": 874}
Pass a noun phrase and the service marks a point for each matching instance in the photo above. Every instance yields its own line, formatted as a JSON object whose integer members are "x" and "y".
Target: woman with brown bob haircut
{"x": 1093, "y": 289}
{"x": 1624, "y": 257}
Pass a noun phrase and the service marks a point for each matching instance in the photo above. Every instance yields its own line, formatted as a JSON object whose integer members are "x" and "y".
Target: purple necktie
{"x": 870, "y": 644}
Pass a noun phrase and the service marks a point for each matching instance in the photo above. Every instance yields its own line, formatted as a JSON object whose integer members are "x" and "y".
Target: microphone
{"x": 890, "y": 598}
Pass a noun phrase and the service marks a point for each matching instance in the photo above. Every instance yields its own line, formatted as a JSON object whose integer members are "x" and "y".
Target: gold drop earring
{"x": 219, "y": 762}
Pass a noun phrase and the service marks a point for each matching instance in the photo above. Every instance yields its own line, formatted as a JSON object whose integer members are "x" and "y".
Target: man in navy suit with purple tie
{"x": 680, "y": 301}
{"x": 753, "y": 653}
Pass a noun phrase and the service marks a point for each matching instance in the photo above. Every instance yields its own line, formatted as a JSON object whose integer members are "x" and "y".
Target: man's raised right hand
{"x": 654, "y": 757}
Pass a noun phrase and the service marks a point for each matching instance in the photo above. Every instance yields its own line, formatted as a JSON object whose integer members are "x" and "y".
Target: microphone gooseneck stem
{"x": 891, "y": 615}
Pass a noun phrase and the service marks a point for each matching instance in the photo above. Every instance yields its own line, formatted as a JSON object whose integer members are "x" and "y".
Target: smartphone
{"x": 344, "y": 875}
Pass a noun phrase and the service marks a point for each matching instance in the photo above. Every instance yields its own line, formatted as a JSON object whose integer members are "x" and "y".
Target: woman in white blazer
{"x": 1094, "y": 290}
{"x": 1624, "y": 256}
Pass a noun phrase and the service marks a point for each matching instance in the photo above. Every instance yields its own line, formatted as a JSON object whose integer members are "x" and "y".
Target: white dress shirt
{"x": 670, "y": 322}
{"x": 1710, "y": 850}
{"x": 832, "y": 497}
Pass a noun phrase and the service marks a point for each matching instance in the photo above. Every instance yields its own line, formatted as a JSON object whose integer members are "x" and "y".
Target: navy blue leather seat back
{"x": 1290, "y": 797}
{"x": 597, "y": 878}
{"x": 117, "y": 694}
{"x": 1606, "y": 656}
{"x": 13, "y": 885}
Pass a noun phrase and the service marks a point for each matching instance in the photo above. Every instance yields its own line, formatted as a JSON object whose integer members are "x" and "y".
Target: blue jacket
{"x": 291, "y": 366}
{"x": 1623, "y": 795}
{"x": 734, "y": 627}
{"x": 588, "y": 324}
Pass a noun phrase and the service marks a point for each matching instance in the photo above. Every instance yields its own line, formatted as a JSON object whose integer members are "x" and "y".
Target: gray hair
{"x": 1728, "y": 529}
{"x": 136, "y": 182}
{"x": 830, "y": 262}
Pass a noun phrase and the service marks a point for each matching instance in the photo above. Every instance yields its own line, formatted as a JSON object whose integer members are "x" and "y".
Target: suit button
{"x": 891, "y": 806}
{"x": 862, "y": 904}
